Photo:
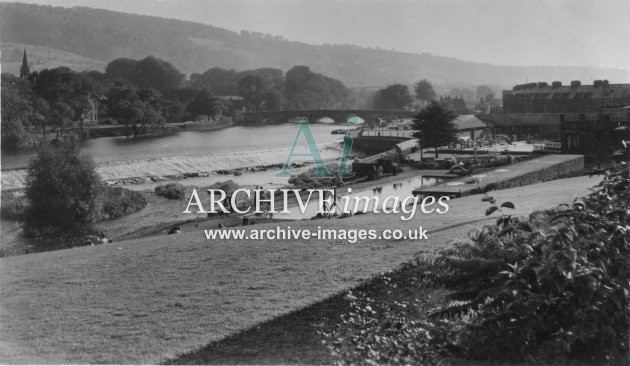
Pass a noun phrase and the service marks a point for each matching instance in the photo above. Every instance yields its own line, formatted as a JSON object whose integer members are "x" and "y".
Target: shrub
{"x": 551, "y": 288}
{"x": 171, "y": 190}
{"x": 229, "y": 186}
{"x": 62, "y": 186}
{"x": 304, "y": 179}
{"x": 115, "y": 202}
{"x": 374, "y": 332}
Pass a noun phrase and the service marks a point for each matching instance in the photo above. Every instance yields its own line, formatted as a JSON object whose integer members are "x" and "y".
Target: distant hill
{"x": 86, "y": 38}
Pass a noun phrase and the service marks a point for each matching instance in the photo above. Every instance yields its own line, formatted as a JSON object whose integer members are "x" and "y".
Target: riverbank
{"x": 100, "y": 131}
{"x": 177, "y": 167}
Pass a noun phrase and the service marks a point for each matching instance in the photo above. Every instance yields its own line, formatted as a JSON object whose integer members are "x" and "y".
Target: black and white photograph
{"x": 315, "y": 182}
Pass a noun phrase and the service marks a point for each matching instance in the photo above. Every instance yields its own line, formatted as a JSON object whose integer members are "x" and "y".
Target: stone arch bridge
{"x": 337, "y": 115}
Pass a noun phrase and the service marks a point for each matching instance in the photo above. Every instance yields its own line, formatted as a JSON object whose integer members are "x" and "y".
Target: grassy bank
{"x": 152, "y": 299}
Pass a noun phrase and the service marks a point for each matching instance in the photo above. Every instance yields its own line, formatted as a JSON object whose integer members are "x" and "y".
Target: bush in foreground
{"x": 62, "y": 186}
{"x": 553, "y": 288}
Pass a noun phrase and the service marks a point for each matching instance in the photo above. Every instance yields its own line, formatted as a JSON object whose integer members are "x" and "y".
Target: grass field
{"x": 152, "y": 299}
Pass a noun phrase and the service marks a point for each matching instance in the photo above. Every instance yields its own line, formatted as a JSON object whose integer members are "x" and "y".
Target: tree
{"x": 81, "y": 97}
{"x": 395, "y": 96}
{"x": 259, "y": 94}
{"x": 202, "y": 104}
{"x": 217, "y": 80}
{"x": 15, "y": 111}
{"x": 148, "y": 73}
{"x": 41, "y": 111}
{"x": 483, "y": 91}
{"x": 155, "y": 73}
{"x": 122, "y": 69}
{"x": 305, "y": 89}
{"x": 137, "y": 109}
{"x": 435, "y": 126}
{"x": 62, "y": 187}
{"x": 424, "y": 90}
{"x": 61, "y": 114}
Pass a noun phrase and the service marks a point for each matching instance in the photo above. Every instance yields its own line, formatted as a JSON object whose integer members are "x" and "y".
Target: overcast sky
{"x": 503, "y": 32}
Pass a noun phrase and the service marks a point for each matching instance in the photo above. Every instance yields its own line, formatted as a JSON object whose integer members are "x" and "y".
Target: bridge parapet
{"x": 338, "y": 115}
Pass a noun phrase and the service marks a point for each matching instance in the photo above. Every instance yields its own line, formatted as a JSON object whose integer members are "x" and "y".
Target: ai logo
{"x": 305, "y": 130}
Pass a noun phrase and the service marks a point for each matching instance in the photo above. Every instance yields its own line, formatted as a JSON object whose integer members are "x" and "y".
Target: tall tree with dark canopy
{"x": 137, "y": 109}
{"x": 258, "y": 93}
{"x": 424, "y": 90}
{"x": 395, "y": 96}
{"x": 155, "y": 73}
{"x": 122, "y": 69}
{"x": 16, "y": 110}
{"x": 305, "y": 89}
{"x": 435, "y": 126}
{"x": 202, "y": 104}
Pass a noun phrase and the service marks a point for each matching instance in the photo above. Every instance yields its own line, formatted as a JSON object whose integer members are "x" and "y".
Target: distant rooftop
{"x": 468, "y": 122}
{"x": 555, "y": 90}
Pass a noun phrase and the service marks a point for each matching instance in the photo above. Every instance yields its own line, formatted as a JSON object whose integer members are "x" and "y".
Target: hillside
{"x": 88, "y": 38}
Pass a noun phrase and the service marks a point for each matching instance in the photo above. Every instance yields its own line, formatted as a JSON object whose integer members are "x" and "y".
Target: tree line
{"x": 143, "y": 95}
{"x": 400, "y": 96}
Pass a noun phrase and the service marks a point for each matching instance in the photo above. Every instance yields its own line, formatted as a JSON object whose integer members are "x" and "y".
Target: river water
{"x": 233, "y": 139}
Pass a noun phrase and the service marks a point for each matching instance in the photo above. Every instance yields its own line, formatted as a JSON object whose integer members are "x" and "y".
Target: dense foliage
{"x": 171, "y": 190}
{"x": 395, "y": 96}
{"x": 62, "y": 187}
{"x": 424, "y": 90}
{"x": 305, "y": 179}
{"x": 144, "y": 95}
{"x": 114, "y": 202}
{"x": 551, "y": 288}
{"x": 12, "y": 207}
{"x": 435, "y": 126}
{"x": 305, "y": 89}
{"x": 64, "y": 193}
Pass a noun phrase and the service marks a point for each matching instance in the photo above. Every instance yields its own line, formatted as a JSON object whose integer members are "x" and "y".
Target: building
{"x": 469, "y": 127}
{"x": 455, "y": 105}
{"x": 25, "y": 71}
{"x": 556, "y": 98}
{"x": 595, "y": 135}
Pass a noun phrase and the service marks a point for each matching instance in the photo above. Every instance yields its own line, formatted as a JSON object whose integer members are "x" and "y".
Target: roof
{"x": 570, "y": 92}
{"x": 468, "y": 122}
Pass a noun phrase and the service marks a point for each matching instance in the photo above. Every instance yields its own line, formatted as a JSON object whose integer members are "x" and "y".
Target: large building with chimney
{"x": 558, "y": 98}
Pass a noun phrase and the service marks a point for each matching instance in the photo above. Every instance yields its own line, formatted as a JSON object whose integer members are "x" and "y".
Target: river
{"x": 233, "y": 139}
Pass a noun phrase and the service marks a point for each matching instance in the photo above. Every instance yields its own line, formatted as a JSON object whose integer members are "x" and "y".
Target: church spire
{"x": 24, "y": 69}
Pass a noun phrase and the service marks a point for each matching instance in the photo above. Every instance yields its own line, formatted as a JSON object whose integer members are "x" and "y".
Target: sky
{"x": 500, "y": 32}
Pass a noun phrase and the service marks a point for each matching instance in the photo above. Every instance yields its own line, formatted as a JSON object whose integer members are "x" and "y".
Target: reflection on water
{"x": 401, "y": 189}
{"x": 233, "y": 139}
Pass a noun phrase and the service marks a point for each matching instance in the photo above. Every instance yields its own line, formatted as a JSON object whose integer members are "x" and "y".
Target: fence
{"x": 389, "y": 133}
